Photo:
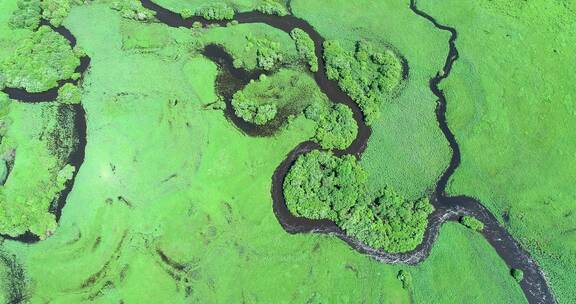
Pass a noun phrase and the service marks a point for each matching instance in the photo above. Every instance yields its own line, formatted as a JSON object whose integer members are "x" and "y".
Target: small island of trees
{"x": 322, "y": 186}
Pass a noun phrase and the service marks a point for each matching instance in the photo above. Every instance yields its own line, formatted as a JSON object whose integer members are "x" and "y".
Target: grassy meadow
{"x": 511, "y": 105}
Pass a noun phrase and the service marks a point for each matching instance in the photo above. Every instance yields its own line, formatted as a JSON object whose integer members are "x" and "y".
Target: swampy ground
{"x": 172, "y": 202}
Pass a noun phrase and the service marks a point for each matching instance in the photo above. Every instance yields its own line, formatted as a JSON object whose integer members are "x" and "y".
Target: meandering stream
{"x": 447, "y": 207}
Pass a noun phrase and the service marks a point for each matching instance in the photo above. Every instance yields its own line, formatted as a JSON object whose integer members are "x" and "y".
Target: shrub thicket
{"x": 268, "y": 52}
{"x": 250, "y": 111}
{"x": 305, "y": 47}
{"x": 322, "y": 186}
{"x": 472, "y": 223}
{"x": 366, "y": 75}
{"x": 216, "y": 11}
{"x": 39, "y": 62}
{"x": 272, "y": 7}
{"x": 26, "y": 15}
{"x": 69, "y": 94}
{"x": 335, "y": 125}
{"x": 55, "y": 10}
{"x": 133, "y": 9}
{"x": 289, "y": 91}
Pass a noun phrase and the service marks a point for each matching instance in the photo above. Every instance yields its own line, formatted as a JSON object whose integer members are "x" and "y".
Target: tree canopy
{"x": 336, "y": 127}
{"x": 39, "y": 62}
{"x": 322, "y": 186}
{"x": 305, "y": 47}
{"x": 368, "y": 76}
{"x": 216, "y": 11}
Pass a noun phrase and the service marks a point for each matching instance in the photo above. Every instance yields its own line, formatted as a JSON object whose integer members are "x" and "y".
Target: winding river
{"x": 447, "y": 208}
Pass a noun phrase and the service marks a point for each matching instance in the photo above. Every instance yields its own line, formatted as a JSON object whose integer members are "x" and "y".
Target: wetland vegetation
{"x": 137, "y": 181}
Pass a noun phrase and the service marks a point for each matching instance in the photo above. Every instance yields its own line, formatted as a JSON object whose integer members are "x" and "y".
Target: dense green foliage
{"x": 55, "y": 10}
{"x": 29, "y": 12}
{"x": 322, "y": 186}
{"x": 336, "y": 127}
{"x": 472, "y": 223}
{"x": 133, "y": 9}
{"x": 69, "y": 94}
{"x": 305, "y": 47}
{"x": 216, "y": 11}
{"x": 39, "y": 62}
{"x": 286, "y": 92}
{"x": 248, "y": 110}
{"x": 267, "y": 51}
{"x": 367, "y": 75}
{"x": 272, "y": 7}
{"x": 27, "y": 15}
{"x": 517, "y": 274}
{"x": 404, "y": 220}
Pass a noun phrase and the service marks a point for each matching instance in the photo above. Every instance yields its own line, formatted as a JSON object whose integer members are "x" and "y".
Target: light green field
{"x": 172, "y": 203}
{"x": 511, "y": 104}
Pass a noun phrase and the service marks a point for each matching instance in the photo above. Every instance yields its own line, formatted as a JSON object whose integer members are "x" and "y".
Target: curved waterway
{"x": 76, "y": 158}
{"x": 447, "y": 208}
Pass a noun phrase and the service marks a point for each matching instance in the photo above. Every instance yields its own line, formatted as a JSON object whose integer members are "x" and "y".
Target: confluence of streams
{"x": 534, "y": 284}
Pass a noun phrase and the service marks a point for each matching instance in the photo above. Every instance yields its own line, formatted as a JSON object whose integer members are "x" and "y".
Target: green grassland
{"x": 475, "y": 271}
{"x": 172, "y": 203}
{"x": 511, "y": 104}
{"x": 406, "y": 151}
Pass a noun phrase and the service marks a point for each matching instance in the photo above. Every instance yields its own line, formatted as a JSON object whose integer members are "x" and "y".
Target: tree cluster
{"x": 133, "y": 9}
{"x": 335, "y": 125}
{"x": 39, "y": 62}
{"x": 268, "y": 52}
{"x": 55, "y": 10}
{"x": 272, "y": 7}
{"x": 250, "y": 111}
{"x": 26, "y": 15}
{"x": 472, "y": 223}
{"x": 368, "y": 76}
{"x": 322, "y": 186}
{"x": 305, "y": 47}
{"x": 69, "y": 94}
{"x": 216, "y": 11}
